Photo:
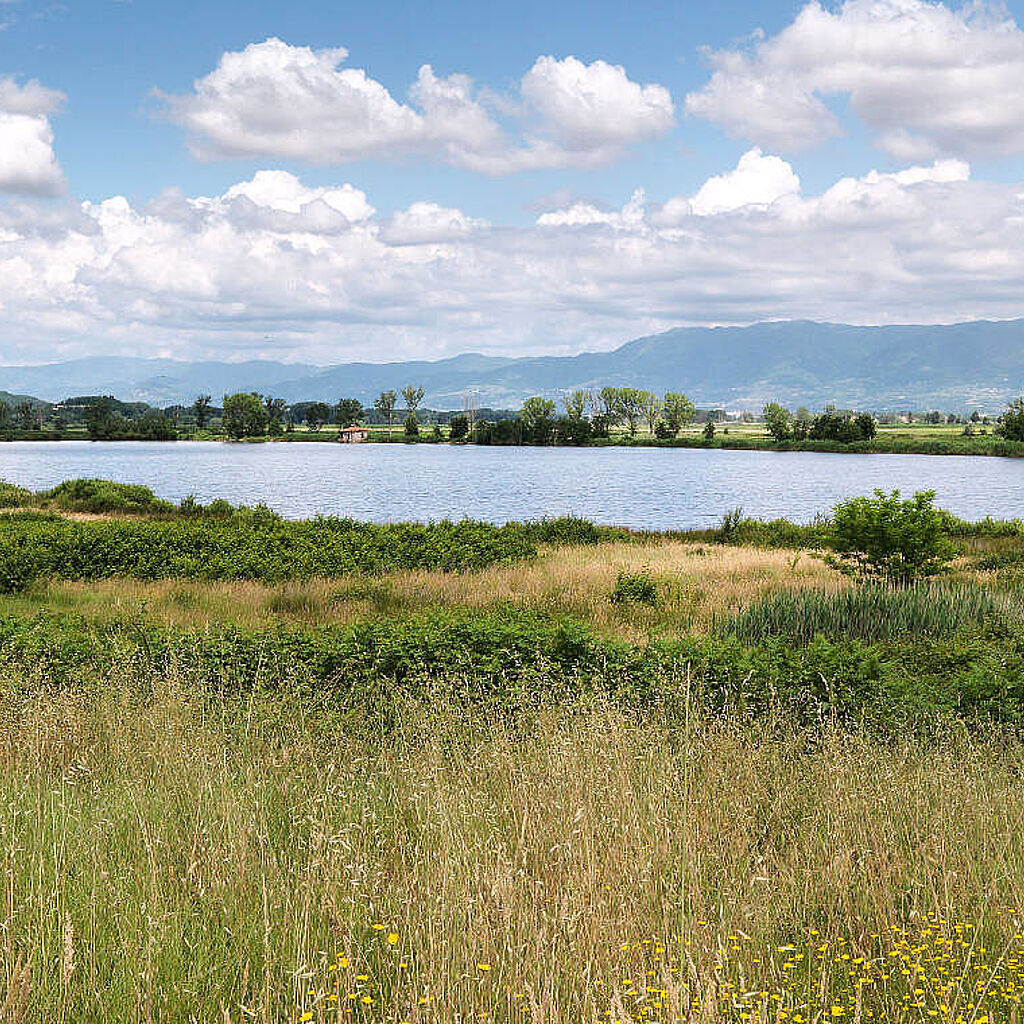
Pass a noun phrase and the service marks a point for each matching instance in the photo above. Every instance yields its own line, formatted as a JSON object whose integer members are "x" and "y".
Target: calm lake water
{"x": 641, "y": 487}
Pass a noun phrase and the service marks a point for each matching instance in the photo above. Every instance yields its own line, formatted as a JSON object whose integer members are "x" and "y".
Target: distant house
{"x": 351, "y": 435}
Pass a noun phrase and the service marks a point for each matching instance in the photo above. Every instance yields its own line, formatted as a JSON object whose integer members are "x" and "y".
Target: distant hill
{"x": 962, "y": 366}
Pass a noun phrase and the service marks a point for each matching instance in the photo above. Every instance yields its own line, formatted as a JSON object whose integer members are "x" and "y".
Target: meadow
{"x": 592, "y": 776}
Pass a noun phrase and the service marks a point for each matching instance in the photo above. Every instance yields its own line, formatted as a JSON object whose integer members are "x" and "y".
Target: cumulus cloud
{"x": 28, "y": 163}
{"x": 930, "y": 80}
{"x": 274, "y": 99}
{"x": 329, "y": 279}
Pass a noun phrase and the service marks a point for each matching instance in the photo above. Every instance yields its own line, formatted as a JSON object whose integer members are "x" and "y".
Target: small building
{"x": 352, "y": 435}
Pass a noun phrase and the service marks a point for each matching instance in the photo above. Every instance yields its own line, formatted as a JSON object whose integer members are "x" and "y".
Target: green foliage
{"x": 94, "y": 495}
{"x": 317, "y": 414}
{"x": 779, "y": 421}
{"x": 412, "y": 425}
{"x": 458, "y": 428}
{"x": 889, "y": 540}
{"x": 537, "y": 419}
{"x": 12, "y": 496}
{"x": 348, "y": 412}
{"x": 251, "y": 544}
{"x": 870, "y": 613}
{"x": 678, "y": 411}
{"x": 1011, "y": 423}
{"x": 635, "y": 588}
{"x": 244, "y": 415}
{"x": 709, "y": 431}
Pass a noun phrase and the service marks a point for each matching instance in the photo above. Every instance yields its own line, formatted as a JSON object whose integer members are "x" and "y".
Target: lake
{"x": 659, "y": 488}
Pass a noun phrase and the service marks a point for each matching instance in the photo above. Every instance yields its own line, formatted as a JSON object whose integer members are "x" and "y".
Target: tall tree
{"x": 679, "y": 411}
{"x": 652, "y": 410}
{"x": 779, "y": 421}
{"x": 201, "y": 408}
{"x": 385, "y": 405}
{"x": 631, "y": 403}
{"x": 317, "y": 414}
{"x": 575, "y": 405}
{"x": 413, "y": 396}
{"x": 244, "y": 415}
{"x": 538, "y": 417}
{"x": 348, "y": 412}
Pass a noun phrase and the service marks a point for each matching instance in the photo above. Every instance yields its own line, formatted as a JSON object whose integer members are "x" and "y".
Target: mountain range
{"x": 978, "y": 364}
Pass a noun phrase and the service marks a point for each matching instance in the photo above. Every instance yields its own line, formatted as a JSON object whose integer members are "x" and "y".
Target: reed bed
{"x": 870, "y": 613}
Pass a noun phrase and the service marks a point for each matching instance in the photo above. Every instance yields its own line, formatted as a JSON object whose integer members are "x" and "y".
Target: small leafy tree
{"x": 652, "y": 410}
{"x": 889, "y": 540}
{"x": 412, "y": 425}
{"x": 709, "y": 431}
{"x": 779, "y": 421}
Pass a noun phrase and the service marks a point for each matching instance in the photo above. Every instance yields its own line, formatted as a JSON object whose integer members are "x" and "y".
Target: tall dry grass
{"x": 170, "y": 860}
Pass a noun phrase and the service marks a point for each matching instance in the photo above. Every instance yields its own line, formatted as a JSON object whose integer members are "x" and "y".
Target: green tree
{"x": 28, "y": 416}
{"x": 385, "y": 405}
{"x": 413, "y": 396}
{"x": 458, "y": 428}
{"x": 1011, "y": 423}
{"x": 100, "y": 420}
{"x": 317, "y": 414}
{"x": 575, "y": 404}
{"x": 538, "y": 415}
{"x": 631, "y": 403}
{"x": 201, "y": 409}
{"x": 652, "y": 410}
{"x": 779, "y": 421}
{"x": 709, "y": 431}
{"x": 679, "y": 411}
{"x": 348, "y": 412}
{"x": 244, "y": 415}
{"x": 889, "y": 540}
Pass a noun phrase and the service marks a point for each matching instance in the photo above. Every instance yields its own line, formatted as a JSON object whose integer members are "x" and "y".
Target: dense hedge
{"x": 258, "y": 545}
{"x": 509, "y": 660}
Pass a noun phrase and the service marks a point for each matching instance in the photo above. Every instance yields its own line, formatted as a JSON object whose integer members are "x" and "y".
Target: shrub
{"x": 889, "y": 540}
{"x": 13, "y": 496}
{"x": 93, "y": 495}
{"x": 635, "y": 588}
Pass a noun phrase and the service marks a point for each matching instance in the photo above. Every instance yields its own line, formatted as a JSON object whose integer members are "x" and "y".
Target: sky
{"x": 324, "y": 181}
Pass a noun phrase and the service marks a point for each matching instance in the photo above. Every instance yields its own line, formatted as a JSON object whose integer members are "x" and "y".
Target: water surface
{"x": 658, "y": 488}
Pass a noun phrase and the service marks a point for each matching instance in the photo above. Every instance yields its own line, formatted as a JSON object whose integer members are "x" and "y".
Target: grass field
{"x": 501, "y": 795}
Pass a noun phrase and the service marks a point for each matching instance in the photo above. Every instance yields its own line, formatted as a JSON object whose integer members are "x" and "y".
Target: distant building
{"x": 352, "y": 435}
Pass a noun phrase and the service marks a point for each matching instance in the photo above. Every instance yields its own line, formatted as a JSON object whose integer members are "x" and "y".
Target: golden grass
{"x": 695, "y": 583}
{"x": 168, "y": 861}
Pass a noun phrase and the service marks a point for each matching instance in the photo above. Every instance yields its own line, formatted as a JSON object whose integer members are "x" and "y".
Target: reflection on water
{"x": 658, "y": 488}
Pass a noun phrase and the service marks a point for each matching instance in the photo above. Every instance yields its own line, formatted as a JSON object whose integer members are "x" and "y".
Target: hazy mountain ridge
{"x": 979, "y": 364}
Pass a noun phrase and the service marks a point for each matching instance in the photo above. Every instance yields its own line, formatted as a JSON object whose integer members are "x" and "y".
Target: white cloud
{"x": 929, "y": 79}
{"x": 28, "y": 163}
{"x": 329, "y": 279}
{"x": 274, "y": 99}
{"x": 757, "y": 181}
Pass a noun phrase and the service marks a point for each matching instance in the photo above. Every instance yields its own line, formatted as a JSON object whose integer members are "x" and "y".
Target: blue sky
{"x": 695, "y": 163}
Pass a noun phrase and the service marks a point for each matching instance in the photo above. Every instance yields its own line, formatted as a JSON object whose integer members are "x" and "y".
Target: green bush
{"x": 93, "y": 495}
{"x": 635, "y": 588}
{"x": 12, "y": 496}
{"x": 889, "y": 540}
